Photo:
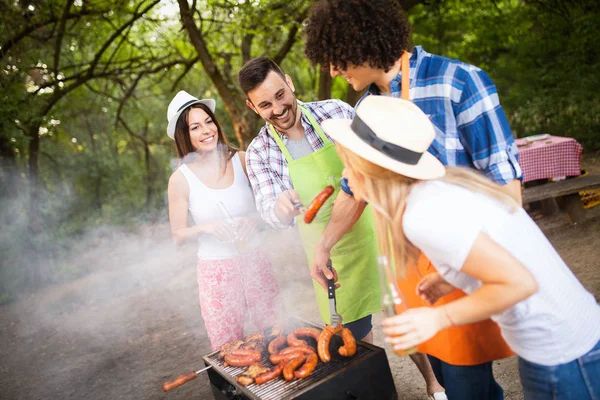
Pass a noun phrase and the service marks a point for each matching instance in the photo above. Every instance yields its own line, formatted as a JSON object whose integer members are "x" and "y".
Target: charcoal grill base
{"x": 366, "y": 376}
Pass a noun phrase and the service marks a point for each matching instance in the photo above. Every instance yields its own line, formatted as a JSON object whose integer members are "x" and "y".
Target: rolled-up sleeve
{"x": 266, "y": 186}
{"x": 483, "y": 127}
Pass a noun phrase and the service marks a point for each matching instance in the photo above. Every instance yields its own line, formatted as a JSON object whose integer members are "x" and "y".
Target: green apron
{"x": 355, "y": 256}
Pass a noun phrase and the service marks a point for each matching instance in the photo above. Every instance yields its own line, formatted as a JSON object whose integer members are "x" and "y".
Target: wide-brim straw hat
{"x": 180, "y": 102}
{"x": 392, "y": 133}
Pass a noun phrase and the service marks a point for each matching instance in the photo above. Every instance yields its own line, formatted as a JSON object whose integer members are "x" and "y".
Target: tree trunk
{"x": 324, "y": 83}
{"x": 226, "y": 89}
{"x": 8, "y": 180}
{"x": 35, "y": 224}
{"x": 148, "y": 177}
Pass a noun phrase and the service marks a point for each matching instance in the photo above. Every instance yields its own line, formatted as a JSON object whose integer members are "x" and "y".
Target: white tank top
{"x": 238, "y": 201}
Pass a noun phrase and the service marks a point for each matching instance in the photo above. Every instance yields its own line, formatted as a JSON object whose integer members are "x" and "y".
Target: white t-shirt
{"x": 559, "y": 323}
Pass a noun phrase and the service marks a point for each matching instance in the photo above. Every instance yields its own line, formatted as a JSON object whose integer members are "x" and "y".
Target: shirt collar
{"x": 396, "y": 83}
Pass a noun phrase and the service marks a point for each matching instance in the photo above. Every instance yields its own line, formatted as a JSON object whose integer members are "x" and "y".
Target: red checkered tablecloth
{"x": 552, "y": 157}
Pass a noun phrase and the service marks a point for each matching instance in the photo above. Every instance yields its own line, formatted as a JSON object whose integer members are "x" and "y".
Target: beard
{"x": 292, "y": 109}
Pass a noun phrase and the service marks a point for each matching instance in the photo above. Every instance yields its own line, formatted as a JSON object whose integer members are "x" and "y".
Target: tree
{"x": 54, "y": 54}
{"x": 228, "y": 31}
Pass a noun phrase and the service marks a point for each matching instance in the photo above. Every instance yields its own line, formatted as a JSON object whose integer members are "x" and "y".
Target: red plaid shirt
{"x": 267, "y": 168}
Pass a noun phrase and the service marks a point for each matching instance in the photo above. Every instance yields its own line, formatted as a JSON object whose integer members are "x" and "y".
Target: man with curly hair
{"x": 367, "y": 43}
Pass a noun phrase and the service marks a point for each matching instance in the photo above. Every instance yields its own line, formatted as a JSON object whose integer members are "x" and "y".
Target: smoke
{"x": 114, "y": 301}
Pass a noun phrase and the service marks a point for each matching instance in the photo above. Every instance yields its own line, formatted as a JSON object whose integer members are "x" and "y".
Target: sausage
{"x": 323, "y": 343}
{"x": 276, "y": 344}
{"x": 270, "y": 375}
{"x": 291, "y": 366}
{"x": 283, "y": 358}
{"x": 302, "y": 349}
{"x": 293, "y": 340}
{"x": 309, "y": 366}
{"x": 309, "y": 332}
{"x": 242, "y": 358}
{"x": 349, "y": 347}
{"x": 317, "y": 203}
{"x": 239, "y": 361}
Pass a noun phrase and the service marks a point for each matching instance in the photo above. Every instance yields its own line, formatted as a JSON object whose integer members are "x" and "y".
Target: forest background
{"x": 85, "y": 85}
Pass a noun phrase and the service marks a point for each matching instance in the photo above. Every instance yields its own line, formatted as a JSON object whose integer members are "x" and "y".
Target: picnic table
{"x": 555, "y": 158}
{"x": 549, "y": 158}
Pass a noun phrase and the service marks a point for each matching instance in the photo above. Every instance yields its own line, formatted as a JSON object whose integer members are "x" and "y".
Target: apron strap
{"x": 280, "y": 144}
{"x": 313, "y": 123}
{"x": 405, "y": 66}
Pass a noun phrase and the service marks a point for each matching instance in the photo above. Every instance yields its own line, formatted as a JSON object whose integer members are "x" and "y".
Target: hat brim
{"x": 210, "y": 103}
{"x": 340, "y": 131}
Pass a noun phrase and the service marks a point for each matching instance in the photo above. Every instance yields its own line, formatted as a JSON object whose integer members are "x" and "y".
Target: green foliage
{"x": 543, "y": 57}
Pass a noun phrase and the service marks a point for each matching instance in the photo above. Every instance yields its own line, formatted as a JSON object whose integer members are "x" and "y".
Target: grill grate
{"x": 279, "y": 388}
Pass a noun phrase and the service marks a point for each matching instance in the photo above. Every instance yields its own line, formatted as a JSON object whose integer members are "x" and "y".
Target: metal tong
{"x": 335, "y": 318}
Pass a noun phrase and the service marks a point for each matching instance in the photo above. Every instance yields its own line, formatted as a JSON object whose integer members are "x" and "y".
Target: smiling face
{"x": 275, "y": 102}
{"x": 204, "y": 134}
{"x": 359, "y": 77}
{"x": 197, "y": 130}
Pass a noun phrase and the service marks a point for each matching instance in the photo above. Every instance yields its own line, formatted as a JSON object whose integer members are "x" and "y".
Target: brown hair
{"x": 183, "y": 142}
{"x": 386, "y": 191}
{"x": 255, "y": 71}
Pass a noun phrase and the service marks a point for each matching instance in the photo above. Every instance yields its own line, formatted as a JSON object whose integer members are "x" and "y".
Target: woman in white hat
{"x": 480, "y": 240}
{"x": 211, "y": 185}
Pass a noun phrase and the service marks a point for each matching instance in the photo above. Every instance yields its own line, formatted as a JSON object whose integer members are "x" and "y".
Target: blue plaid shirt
{"x": 471, "y": 129}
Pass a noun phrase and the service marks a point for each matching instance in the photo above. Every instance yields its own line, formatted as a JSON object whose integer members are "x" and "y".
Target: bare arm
{"x": 346, "y": 211}
{"x": 505, "y": 282}
{"x": 513, "y": 188}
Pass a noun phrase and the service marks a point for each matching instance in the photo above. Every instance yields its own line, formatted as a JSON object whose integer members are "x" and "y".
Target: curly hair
{"x": 352, "y": 32}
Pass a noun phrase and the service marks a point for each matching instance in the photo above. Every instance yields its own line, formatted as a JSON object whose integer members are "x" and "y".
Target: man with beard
{"x": 289, "y": 163}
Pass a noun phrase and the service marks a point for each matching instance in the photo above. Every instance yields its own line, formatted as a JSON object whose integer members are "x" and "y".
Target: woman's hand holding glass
{"x": 221, "y": 230}
{"x": 413, "y": 327}
{"x": 245, "y": 228}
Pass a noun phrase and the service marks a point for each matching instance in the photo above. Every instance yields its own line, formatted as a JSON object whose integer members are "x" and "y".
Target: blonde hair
{"x": 386, "y": 191}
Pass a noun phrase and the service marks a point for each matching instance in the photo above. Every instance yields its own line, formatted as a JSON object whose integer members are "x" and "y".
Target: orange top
{"x": 471, "y": 344}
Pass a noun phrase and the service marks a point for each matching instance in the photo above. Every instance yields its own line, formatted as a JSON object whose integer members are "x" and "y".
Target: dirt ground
{"x": 121, "y": 331}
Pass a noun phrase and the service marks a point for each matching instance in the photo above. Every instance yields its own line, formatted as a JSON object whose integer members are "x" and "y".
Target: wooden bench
{"x": 569, "y": 188}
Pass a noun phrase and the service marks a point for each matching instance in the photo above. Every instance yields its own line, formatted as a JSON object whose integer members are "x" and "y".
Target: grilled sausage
{"x": 291, "y": 366}
{"x": 270, "y": 375}
{"x": 283, "y": 358}
{"x": 310, "y": 332}
{"x": 317, "y": 203}
{"x": 309, "y": 366}
{"x": 323, "y": 343}
{"x": 242, "y": 358}
{"x": 293, "y": 340}
{"x": 349, "y": 347}
{"x": 303, "y": 349}
{"x": 276, "y": 344}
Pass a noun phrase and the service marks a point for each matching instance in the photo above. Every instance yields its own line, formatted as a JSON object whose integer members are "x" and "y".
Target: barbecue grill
{"x": 364, "y": 376}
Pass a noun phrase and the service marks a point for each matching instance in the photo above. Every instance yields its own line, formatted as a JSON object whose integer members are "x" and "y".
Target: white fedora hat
{"x": 392, "y": 133}
{"x": 180, "y": 102}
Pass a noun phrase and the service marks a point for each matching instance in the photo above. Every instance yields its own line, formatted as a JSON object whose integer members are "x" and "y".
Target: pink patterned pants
{"x": 231, "y": 287}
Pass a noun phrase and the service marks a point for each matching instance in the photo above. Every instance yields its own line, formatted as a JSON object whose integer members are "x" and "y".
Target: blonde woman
{"x": 480, "y": 240}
